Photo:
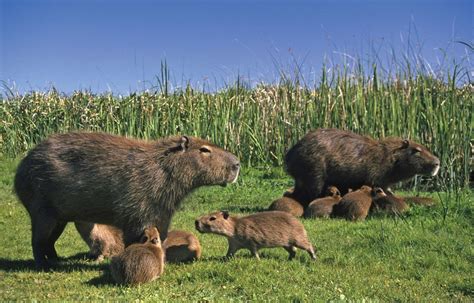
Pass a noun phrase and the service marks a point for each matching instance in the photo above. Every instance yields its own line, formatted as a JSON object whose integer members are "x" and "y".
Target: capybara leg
{"x": 43, "y": 225}
{"x": 292, "y": 251}
{"x": 306, "y": 245}
{"x": 56, "y": 233}
{"x": 233, "y": 247}
{"x": 254, "y": 250}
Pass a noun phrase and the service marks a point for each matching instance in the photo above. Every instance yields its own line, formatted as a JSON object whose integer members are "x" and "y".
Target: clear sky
{"x": 114, "y": 45}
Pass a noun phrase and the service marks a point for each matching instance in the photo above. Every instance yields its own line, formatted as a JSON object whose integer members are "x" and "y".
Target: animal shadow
{"x": 245, "y": 209}
{"x": 62, "y": 265}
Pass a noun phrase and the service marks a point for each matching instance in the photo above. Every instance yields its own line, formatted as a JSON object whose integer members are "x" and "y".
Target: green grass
{"x": 426, "y": 256}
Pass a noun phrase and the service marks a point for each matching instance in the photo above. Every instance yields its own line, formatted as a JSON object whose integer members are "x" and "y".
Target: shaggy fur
{"x": 181, "y": 246}
{"x": 355, "y": 205}
{"x": 323, "y": 207}
{"x": 289, "y": 205}
{"x": 104, "y": 241}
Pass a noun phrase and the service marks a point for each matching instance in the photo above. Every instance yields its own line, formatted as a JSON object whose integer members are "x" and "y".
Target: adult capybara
{"x": 104, "y": 241}
{"x": 289, "y": 205}
{"x": 326, "y": 157}
{"x": 264, "y": 229}
{"x": 107, "y": 179}
{"x": 322, "y": 207}
{"x": 140, "y": 262}
{"x": 181, "y": 246}
{"x": 355, "y": 205}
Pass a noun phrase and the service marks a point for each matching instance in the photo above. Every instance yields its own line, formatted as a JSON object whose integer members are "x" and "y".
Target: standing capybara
{"x": 265, "y": 229}
{"x": 104, "y": 241}
{"x": 181, "y": 246}
{"x": 140, "y": 262}
{"x": 326, "y": 157}
{"x": 322, "y": 207}
{"x": 289, "y": 205}
{"x": 106, "y": 179}
{"x": 355, "y": 205}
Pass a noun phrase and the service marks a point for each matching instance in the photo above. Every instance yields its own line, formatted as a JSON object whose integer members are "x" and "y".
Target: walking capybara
{"x": 289, "y": 205}
{"x": 181, "y": 246}
{"x": 326, "y": 157}
{"x": 140, "y": 262}
{"x": 107, "y": 179}
{"x": 104, "y": 241}
{"x": 355, "y": 205}
{"x": 322, "y": 207}
{"x": 264, "y": 229}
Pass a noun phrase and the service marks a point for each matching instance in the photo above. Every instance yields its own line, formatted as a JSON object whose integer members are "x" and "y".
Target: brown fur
{"x": 288, "y": 205}
{"x": 106, "y": 179}
{"x": 322, "y": 207}
{"x": 420, "y": 201}
{"x": 325, "y": 157}
{"x": 265, "y": 229}
{"x": 104, "y": 241}
{"x": 140, "y": 262}
{"x": 390, "y": 204}
{"x": 356, "y": 204}
{"x": 181, "y": 246}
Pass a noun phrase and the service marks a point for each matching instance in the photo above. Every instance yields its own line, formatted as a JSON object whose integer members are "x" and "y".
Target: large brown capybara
{"x": 326, "y": 157}
{"x": 181, "y": 246}
{"x": 355, "y": 205}
{"x": 140, "y": 262}
{"x": 264, "y": 229}
{"x": 104, "y": 241}
{"x": 107, "y": 179}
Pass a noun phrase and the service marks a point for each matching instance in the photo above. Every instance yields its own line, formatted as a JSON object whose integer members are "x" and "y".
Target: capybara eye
{"x": 144, "y": 239}
{"x": 212, "y": 218}
{"x": 204, "y": 149}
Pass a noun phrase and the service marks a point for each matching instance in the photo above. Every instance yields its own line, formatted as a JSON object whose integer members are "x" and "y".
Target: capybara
{"x": 104, "y": 241}
{"x": 264, "y": 229}
{"x": 390, "y": 204}
{"x": 326, "y": 157}
{"x": 356, "y": 204}
{"x": 140, "y": 262}
{"x": 107, "y": 179}
{"x": 322, "y": 207}
{"x": 426, "y": 201}
{"x": 289, "y": 205}
{"x": 181, "y": 246}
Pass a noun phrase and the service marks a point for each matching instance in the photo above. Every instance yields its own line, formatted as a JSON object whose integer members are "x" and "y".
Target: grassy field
{"x": 427, "y": 255}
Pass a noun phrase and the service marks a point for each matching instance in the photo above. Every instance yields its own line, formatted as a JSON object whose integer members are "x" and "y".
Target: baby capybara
{"x": 389, "y": 204}
{"x": 355, "y": 205}
{"x": 322, "y": 207}
{"x": 140, "y": 262}
{"x": 289, "y": 205}
{"x": 265, "y": 229}
{"x": 181, "y": 246}
{"x": 107, "y": 179}
{"x": 326, "y": 157}
{"x": 104, "y": 241}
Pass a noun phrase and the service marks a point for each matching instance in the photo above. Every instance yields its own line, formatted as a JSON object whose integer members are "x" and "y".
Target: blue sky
{"x": 116, "y": 45}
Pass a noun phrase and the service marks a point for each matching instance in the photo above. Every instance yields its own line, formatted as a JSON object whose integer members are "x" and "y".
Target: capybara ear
{"x": 405, "y": 143}
{"x": 184, "y": 143}
{"x": 225, "y": 213}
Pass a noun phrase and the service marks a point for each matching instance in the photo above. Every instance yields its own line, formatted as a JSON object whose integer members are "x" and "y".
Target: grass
{"x": 427, "y": 255}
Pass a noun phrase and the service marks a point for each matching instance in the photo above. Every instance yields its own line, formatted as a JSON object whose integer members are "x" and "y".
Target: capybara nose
{"x": 196, "y": 224}
{"x": 236, "y": 166}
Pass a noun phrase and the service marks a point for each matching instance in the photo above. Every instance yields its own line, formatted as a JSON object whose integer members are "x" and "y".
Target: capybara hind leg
{"x": 55, "y": 234}
{"x": 43, "y": 226}
{"x": 292, "y": 251}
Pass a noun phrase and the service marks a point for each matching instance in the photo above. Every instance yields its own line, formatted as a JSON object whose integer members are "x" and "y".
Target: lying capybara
{"x": 265, "y": 229}
{"x": 288, "y": 205}
{"x": 389, "y": 204}
{"x": 104, "y": 241}
{"x": 426, "y": 201}
{"x": 107, "y": 179}
{"x": 181, "y": 246}
{"x": 322, "y": 207}
{"x": 140, "y": 262}
{"x": 326, "y": 157}
{"x": 356, "y": 204}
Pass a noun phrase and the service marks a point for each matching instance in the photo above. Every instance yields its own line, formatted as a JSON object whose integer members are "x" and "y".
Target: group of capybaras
{"x": 122, "y": 193}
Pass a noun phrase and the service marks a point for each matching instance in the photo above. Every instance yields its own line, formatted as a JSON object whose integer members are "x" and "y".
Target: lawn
{"x": 427, "y": 255}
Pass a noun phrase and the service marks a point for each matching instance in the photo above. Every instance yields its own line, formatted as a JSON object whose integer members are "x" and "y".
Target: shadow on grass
{"x": 103, "y": 280}
{"x": 245, "y": 209}
{"x": 68, "y": 264}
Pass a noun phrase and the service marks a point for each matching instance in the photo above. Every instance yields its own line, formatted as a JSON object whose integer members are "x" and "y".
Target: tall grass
{"x": 260, "y": 123}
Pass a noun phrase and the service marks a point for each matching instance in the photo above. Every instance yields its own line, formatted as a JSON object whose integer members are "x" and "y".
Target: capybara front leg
{"x": 291, "y": 251}
{"x": 233, "y": 247}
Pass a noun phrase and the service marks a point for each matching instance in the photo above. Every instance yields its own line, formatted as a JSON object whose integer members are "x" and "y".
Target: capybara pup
{"x": 287, "y": 204}
{"x": 326, "y": 157}
{"x": 264, "y": 229}
{"x": 181, "y": 246}
{"x": 322, "y": 207}
{"x": 107, "y": 179}
{"x": 140, "y": 262}
{"x": 104, "y": 241}
{"x": 356, "y": 204}
{"x": 390, "y": 204}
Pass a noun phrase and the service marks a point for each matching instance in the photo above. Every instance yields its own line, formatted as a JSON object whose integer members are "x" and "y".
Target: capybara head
{"x": 377, "y": 193}
{"x": 332, "y": 191}
{"x": 217, "y": 223}
{"x": 151, "y": 235}
{"x": 204, "y": 163}
{"x": 412, "y": 158}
